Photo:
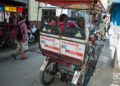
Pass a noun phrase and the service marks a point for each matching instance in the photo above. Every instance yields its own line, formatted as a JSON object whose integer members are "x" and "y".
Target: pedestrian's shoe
{"x": 14, "y": 56}
{"x": 23, "y": 58}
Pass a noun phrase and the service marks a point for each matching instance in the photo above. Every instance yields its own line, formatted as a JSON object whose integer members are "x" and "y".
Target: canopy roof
{"x": 64, "y": 2}
{"x": 75, "y": 4}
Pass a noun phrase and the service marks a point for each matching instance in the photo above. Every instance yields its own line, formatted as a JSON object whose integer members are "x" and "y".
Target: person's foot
{"x": 13, "y": 56}
{"x": 23, "y": 58}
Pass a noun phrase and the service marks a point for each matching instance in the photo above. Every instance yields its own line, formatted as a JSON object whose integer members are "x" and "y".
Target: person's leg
{"x": 24, "y": 55}
{"x": 24, "y": 50}
{"x": 99, "y": 36}
{"x": 17, "y": 51}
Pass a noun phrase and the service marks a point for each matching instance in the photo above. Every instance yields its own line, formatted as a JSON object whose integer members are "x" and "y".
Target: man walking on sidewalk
{"x": 22, "y": 39}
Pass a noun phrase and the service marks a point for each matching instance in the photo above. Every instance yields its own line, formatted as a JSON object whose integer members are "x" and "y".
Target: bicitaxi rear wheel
{"x": 49, "y": 73}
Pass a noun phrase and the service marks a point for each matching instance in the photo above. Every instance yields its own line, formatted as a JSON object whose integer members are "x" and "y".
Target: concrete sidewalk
{"x": 103, "y": 75}
{"x": 6, "y": 54}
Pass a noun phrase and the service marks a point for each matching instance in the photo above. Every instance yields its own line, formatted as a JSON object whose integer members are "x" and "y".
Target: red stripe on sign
{"x": 74, "y": 53}
{"x": 51, "y": 47}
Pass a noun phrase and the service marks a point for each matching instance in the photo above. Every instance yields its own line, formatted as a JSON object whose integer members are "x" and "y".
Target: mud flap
{"x": 76, "y": 77}
{"x": 43, "y": 65}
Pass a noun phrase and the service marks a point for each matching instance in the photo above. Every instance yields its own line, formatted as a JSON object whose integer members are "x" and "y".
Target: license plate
{"x": 43, "y": 65}
{"x": 76, "y": 77}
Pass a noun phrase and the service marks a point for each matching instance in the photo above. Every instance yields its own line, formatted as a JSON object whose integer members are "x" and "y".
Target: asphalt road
{"x": 23, "y": 72}
{"x": 26, "y": 72}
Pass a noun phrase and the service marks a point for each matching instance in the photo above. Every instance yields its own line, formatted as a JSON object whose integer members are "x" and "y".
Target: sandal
{"x": 13, "y": 56}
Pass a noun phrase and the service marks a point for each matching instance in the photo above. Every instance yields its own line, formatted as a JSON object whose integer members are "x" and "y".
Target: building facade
{"x": 10, "y": 10}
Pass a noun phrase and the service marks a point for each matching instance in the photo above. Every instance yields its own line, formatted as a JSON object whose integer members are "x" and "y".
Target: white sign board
{"x": 75, "y": 50}
{"x": 50, "y": 44}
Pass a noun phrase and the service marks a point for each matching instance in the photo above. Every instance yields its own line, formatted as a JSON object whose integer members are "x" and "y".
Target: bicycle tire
{"x": 51, "y": 72}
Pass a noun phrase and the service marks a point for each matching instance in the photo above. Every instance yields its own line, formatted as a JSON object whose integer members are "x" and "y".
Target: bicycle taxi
{"x": 68, "y": 54}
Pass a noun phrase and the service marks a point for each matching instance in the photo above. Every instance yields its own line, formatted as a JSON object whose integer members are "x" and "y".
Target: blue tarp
{"x": 117, "y": 1}
{"x": 115, "y": 14}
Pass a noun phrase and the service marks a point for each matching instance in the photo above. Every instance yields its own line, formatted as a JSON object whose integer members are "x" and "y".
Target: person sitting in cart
{"x": 49, "y": 25}
{"x": 62, "y": 19}
{"x": 61, "y": 23}
{"x": 82, "y": 32}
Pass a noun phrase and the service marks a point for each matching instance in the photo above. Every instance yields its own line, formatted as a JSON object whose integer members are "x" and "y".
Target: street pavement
{"x": 103, "y": 75}
{"x": 26, "y": 72}
{"x": 23, "y": 72}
